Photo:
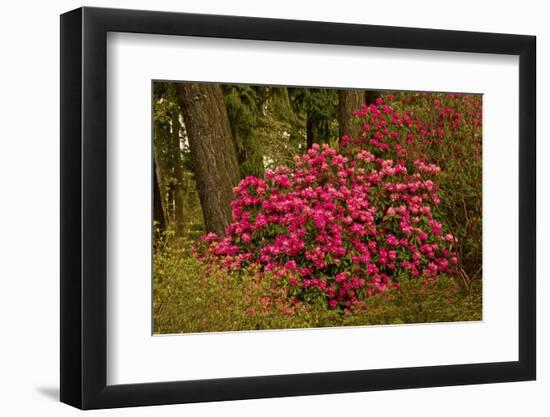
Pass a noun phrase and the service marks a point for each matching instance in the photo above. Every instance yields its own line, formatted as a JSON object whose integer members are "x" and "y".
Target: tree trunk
{"x": 212, "y": 151}
{"x": 310, "y": 133}
{"x": 162, "y": 171}
{"x": 348, "y": 102}
{"x": 178, "y": 174}
{"x": 371, "y": 96}
{"x": 158, "y": 212}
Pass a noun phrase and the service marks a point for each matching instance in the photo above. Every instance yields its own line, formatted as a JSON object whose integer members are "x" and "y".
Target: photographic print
{"x": 288, "y": 207}
{"x": 273, "y": 206}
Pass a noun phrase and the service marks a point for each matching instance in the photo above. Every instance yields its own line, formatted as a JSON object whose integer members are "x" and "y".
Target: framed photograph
{"x": 257, "y": 208}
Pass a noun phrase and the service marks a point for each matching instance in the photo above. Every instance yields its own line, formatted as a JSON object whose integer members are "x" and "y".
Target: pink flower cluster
{"x": 407, "y": 128}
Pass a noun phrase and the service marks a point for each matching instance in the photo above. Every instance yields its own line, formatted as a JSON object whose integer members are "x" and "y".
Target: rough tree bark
{"x": 212, "y": 151}
{"x": 348, "y": 102}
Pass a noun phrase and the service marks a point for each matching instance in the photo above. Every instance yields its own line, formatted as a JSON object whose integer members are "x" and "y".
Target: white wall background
{"x": 29, "y": 213}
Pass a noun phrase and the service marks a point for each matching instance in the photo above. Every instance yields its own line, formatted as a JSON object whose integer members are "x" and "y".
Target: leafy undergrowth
{"x": 191, "y": 297}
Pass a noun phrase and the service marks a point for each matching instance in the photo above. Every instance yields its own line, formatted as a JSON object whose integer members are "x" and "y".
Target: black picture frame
{"x": 84, "y": 207}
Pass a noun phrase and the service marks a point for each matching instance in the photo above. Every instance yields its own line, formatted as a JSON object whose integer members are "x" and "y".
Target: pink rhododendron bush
{"x": 348, "y": 221}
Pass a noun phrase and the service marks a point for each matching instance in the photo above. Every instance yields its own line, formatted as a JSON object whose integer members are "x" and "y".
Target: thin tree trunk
{"x": 212, "y": 151}
{"x": 178, "y": 175}
{"x": 158, "y": 212}
{"x": 348, "y": 102}
{"x": 162, "y": 171}
{"x": 310, "y": 133}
